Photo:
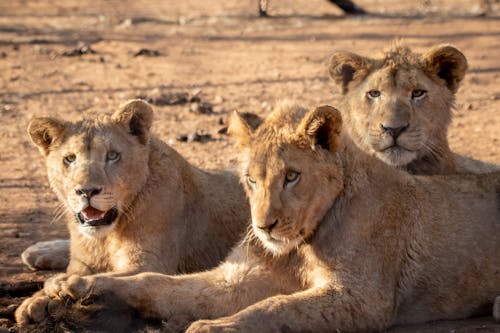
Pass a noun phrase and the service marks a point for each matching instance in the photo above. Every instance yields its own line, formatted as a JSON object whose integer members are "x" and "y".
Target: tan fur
{"x": 339, "y": 241}
{"x": 172, "y": 217}
{"x": 400, "y": 76}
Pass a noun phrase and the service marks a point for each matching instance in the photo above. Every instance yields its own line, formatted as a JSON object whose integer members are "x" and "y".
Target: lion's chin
{"x": 96, "y": 232}
{"x": 274, "y": 246}
{"x": 396, "y": 156}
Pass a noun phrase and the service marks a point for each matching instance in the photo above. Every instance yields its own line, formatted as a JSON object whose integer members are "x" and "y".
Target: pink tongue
{"x": 90, "y": 213}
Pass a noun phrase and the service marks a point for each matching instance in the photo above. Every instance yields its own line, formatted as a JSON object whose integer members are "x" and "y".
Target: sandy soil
{"x": 223, "y": 53}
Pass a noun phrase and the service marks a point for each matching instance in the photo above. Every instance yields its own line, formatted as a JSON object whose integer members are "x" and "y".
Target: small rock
{"x": 218, "y": 99}
{"x": 79, "y": 50}
{"x": 147, "y": 53}
{"x": 194, "y": 137}
{"x": 157, "y": 97}
{"x": 201, "y": 107}
{"x": 125, "y": 24}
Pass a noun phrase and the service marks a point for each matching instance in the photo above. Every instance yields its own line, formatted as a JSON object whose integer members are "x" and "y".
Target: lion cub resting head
{"x": 398, "y": 107}
{"x": 133, "y": 203}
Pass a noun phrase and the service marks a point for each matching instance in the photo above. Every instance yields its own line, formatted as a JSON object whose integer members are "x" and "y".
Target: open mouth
{"x": 92, "y": 217}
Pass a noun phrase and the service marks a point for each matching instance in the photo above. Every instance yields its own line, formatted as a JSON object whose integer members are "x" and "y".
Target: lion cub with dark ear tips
{"x": 398, "y": 107}
{"x": 132, "y": 202}
{"x": 339, "y": 241}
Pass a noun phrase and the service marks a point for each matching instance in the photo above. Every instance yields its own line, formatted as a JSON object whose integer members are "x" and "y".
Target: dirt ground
{"x": 227, "y": 57}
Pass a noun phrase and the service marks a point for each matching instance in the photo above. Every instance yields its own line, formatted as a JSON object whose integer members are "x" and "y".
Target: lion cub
{"x": 339, "y": 241}
{"x": 398, "y": 107}
{"x": 133, "y": 203}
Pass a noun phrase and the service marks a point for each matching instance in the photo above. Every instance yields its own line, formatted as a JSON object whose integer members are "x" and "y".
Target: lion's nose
{"x": 268, "y": 225}
{"x": 394, "y": 131}
{"x": 88, "y": 192}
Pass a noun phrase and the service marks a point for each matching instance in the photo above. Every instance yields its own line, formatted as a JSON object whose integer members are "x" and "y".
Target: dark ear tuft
{"x": 345, "y": 67}
{"x": 44, "y": 131}
{"x": 322, "y": 127}
{"x": 448, "y": 63}
{"x": 137, "y": 116}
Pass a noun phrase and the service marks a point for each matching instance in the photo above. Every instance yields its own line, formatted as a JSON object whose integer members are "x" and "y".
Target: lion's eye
{"x": 418, "y": 93}
{"x": 68, "y": 159}
{"x": 250, "y": 180}
{"x": 373, "y": 93}
{"x": 291, "y": 177}
{"x": 112, "y": 156}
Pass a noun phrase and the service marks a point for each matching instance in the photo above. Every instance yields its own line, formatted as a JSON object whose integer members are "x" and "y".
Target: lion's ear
{"x": 346, "y": 67}
{"x": 448, "y": 63}
{"x": 44, "y": 131}
{"x": 322, "y": 126}
{"x": 137, "y": 116}
{"x": 241, "y": 128}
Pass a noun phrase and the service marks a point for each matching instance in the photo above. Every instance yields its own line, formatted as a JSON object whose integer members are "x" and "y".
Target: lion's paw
{"x": 64, "y": 286}
{"x": 50, "y": 255}
{"x": 33, "y": 309}
{"x": 213, "y": 326}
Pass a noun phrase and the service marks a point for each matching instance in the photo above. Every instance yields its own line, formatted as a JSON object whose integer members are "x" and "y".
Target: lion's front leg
{"x": 216, "y": 293}
{"x": 316, "y": 310}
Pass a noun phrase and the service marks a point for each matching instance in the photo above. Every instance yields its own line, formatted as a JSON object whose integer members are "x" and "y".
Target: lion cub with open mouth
{"x": 339, "y": 241}
{"x": 132, "y": 202}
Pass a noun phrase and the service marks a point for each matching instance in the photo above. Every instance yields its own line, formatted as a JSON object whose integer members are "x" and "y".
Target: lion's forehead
{"x": 397, "y": 80}
{"x": 272, "y": 163}
{"x": 94, "y": 140}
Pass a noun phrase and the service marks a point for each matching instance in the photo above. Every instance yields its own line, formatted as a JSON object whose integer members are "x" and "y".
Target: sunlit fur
{"x": 417, "y": 91}
{"x": 271, "y": 152}
{"x": 172, "y": 217}
{"x": 377, "y": 246}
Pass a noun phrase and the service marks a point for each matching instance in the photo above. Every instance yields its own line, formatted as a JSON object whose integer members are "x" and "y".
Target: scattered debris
{"x": 201, "y": 107}
{"x": 158, "y": 97}
{"x": 6, "y": 108}
{"x": 3, "y": 55}
{"x": 194, "y": 137}
{"x": 147, "y": 53}
{"x": 40, "y": 49}
{"x": 79, "y": 50}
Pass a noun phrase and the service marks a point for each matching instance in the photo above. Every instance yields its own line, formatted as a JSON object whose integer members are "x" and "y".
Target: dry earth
{"x": 221, "y": 52}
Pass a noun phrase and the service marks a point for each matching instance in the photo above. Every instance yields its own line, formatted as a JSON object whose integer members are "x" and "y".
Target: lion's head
{"x": 398, "y": 107}
{"x": 96, "y": 166}
{"x": 289, "y": 172}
